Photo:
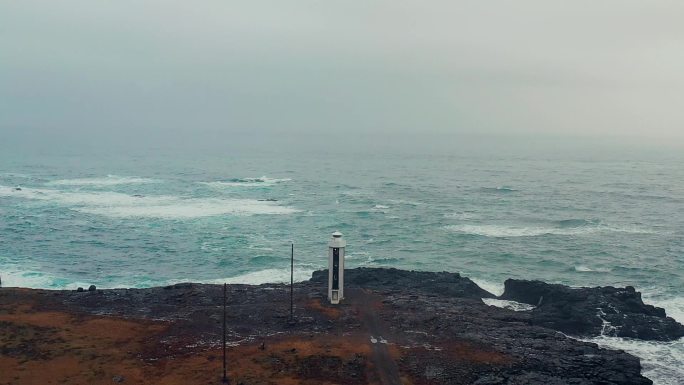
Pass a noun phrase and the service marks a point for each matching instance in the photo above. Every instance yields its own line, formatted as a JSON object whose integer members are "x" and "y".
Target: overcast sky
{"x": 146, "y": 67}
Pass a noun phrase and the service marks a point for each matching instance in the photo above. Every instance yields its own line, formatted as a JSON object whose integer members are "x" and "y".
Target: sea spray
{"x": 662, "y": 362}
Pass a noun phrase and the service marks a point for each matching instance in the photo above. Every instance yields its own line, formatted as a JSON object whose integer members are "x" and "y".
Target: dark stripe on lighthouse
{"x": 336, "y": 269}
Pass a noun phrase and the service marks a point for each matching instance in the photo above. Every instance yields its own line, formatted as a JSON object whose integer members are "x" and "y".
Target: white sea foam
{"x": 586, "y": 269}
{"x": 364, "y": 258}
{"x": 164, "y": 207}
{"x": 109, "y": 180}
{"x": 492, "y": 287}
{"x": 499, "y": 189}
{"x": 381, "y": 241}
{"x": 357, "y": 255}
{"x": 30, "y": 279}
{"x": 502, "y": 231}
{"x": 405, "y": 202}
{"x": 511, "y": 305}
{"x": 674, "y": 306}
{"x": 192, "y": 208}
{"x": 463, "y": 216}
{"x": 33, "y": 279}
{"x": 662, "y": 362}
{"x": 247, "y": 182}
{"x": 38, "y": 280}
{"x": 382, "y": 209}
{"x": 266, "y": 276}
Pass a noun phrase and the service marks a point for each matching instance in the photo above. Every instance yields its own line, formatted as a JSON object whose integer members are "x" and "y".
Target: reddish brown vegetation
{"x": 43, "y": 341}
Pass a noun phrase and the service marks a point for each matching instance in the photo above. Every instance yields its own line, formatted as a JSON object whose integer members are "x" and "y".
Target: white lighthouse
{"x": 336, "y": 268}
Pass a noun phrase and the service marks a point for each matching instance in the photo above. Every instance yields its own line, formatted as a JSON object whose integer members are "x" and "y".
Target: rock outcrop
{"x": 593, "y": 311}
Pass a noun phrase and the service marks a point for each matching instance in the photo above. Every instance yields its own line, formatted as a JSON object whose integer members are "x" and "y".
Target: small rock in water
{"x": 92, "y": 288}
{"x": 80, "y": 289}
{"x": 17, "y": 189}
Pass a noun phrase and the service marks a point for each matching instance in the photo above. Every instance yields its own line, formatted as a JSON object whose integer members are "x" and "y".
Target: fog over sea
{"x": 578, "y": 216}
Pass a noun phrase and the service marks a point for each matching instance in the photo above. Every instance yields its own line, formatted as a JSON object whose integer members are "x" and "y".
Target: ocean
{"x": 154, "y": 217}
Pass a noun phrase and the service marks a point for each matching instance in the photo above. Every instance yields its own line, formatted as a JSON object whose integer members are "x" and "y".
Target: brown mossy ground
{"x": 42, "y": 341}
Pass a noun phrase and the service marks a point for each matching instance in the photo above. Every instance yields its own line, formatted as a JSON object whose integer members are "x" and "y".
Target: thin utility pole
{"x": 292, "y": 285}
{"x": 225, "y": 374}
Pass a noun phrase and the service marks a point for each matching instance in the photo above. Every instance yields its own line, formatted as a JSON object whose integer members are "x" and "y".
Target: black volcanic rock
{"x": 443, "y": 283}
{"x": 593, "y": 311}
{"x": 441, "y": 330}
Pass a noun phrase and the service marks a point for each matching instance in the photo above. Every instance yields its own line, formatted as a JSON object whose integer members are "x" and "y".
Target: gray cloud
{"x": 611, "y": 67}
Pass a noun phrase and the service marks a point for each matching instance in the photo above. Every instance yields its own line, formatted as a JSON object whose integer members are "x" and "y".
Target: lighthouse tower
{"x": 336, "y": 249}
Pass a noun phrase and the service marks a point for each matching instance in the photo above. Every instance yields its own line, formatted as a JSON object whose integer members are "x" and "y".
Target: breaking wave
{"x": 119, "y": 205}
{"x": 510, "y": 305}
{"x": 586, "y": 269}
{"x": 674, "y": 306}
{"x": 505, "y": 231}
{"x": 662, "y": 362}
{"x": 266, "y": 276}
{"x": 36, "y": 280}
{"x": 247, "y": 182}
{"x": 405, "y": 202}
{"x": 109, "y": 180}
{"x": 40, "y": 280}
{"x": 492, "y": 287}
{"x": 498, "y": 190}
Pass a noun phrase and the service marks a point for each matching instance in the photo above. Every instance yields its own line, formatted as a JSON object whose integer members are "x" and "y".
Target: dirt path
{"x": 379, "y": 336}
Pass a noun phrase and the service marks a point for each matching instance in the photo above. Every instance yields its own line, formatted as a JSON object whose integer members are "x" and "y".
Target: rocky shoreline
{"x": 394, "y": 327}
{"x": 589, "y": 312}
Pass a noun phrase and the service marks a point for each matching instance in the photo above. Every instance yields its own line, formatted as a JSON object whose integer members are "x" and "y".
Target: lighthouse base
{"x": 335, "y": 297}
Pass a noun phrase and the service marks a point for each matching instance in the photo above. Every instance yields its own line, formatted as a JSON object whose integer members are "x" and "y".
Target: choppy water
{"x": 152, "y": 220}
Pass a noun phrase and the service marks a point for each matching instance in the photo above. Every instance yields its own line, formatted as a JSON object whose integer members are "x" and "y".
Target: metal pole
{"x": 225, "y": 374}
{"x": 292, "y": 285}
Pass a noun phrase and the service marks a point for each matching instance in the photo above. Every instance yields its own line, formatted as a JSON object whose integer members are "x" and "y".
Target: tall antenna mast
{"x": 292, "y": 285}
{"x": 225, "y": 374}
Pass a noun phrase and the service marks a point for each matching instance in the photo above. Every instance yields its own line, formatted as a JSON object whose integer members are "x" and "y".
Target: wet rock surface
{"x": 593, "y": 311}
{"x": 443, "y": 283}
{"x": 393, "y": 327}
